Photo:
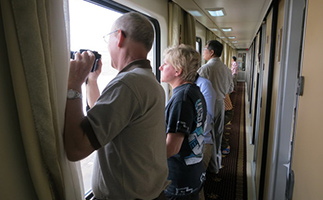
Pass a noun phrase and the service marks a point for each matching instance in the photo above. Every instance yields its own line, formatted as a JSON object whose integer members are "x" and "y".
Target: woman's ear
{"x": 178, "y": 72}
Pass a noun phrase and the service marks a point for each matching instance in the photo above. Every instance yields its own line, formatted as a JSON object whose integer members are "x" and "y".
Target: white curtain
{"x": 34, "y": 69}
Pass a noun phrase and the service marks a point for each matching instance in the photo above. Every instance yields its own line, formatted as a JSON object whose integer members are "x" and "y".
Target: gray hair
{"x": 137, "y": 28}
{"x": 184, "y": 57}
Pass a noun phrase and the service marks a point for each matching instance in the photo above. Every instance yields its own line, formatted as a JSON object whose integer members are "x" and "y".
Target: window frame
{"x": 199, "y": 41}
{"x": 124, "y": 9}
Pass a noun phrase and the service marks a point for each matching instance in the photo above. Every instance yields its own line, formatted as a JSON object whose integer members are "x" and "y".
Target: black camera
{"x": 96, "y": 54}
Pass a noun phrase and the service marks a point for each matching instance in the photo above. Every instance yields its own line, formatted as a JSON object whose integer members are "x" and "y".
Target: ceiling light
{"x": 216, "y": 12}
{"x": 226, "y": 29}
{"x": 231, "y": 37}
{"x": 214, "y": 29}
{"x": 195, "y": 13}
{"x": 234, "y": 42}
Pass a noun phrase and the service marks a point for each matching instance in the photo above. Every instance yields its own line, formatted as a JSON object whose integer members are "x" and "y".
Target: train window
{"x": 87, "y": 33}
{"x": 89, "y": 22}
{"x": 199, "y": 45}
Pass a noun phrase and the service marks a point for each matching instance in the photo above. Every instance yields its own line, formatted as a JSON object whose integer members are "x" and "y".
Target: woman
{"x": 185, "y": 117}
{"x": 234, "y": 70}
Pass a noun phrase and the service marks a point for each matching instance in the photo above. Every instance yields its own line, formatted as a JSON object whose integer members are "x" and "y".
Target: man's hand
{"x": 93, "y": 76}
{"x": 80, "y": 68}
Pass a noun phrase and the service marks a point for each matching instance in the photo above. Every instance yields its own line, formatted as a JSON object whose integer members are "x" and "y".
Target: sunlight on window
{"x": 88, "y": 24}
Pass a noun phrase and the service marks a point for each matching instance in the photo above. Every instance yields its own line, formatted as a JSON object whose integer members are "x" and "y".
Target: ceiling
{"x": 243, "y": 16}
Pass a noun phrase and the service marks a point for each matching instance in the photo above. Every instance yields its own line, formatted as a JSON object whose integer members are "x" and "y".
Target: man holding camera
{"x": 126, "y": 123}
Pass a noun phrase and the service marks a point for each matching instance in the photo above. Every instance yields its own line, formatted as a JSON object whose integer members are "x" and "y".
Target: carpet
{"x": 231, "y": 182}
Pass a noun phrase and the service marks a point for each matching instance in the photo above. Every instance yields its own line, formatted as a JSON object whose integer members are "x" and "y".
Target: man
{"x": 221, "y": 79}
{"x": 209, "y": 95}
{"x": 126, "y": 124}
{"x": 185, "y": 117}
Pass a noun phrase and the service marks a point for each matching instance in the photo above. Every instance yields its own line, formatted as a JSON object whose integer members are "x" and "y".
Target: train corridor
{"x": 234, "y": 180}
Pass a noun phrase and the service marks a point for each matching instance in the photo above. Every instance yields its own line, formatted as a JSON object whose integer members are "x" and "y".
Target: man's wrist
{"x": 91, "y": 81}
{"x": 74, "y": 94}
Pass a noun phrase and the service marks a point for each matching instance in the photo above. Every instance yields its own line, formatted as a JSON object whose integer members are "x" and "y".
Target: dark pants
{"x": 193, "y": 196}
{"x": 216, "y": 158}
{"x": 160, "y": 197}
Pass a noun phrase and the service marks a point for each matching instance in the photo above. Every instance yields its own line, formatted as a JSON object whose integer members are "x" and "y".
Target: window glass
{"x": 88, "y": 24}
{"x": 198, "y": 45}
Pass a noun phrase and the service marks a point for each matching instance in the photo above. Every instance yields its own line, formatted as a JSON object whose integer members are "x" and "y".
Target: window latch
{"x": 300, "y": 86}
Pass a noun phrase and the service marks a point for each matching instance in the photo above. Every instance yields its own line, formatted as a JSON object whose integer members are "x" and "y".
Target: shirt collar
{"x": 136, "y": 64}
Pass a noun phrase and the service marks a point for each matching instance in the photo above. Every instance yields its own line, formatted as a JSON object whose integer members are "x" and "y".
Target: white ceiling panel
{"x": 243, "y": 16}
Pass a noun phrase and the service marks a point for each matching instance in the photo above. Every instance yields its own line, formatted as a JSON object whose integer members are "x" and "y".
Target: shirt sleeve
{"x": 203, "y": 71}
{"x": 210, "y": 97}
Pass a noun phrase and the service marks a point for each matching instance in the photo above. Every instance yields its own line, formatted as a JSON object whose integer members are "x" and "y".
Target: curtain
{"x": 181, "y": 28}
{"x": 210, "y": 35}
{"x": 190, "y": 31}
{"x": 175, "y": 19}
{"x": 225, "y": 53}
{"x": 229, "y": 56}
{"x": 34, "y": 70}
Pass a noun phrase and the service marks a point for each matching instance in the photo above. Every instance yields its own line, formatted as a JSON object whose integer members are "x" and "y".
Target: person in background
{"x": 220, "y": 77}
{"x": 209, "y": 95}
{"x": 225, "y": 146}
{"x": 234, "y": 70}
{"x": 185, "y": 117}
{"x": 126, "y": 123}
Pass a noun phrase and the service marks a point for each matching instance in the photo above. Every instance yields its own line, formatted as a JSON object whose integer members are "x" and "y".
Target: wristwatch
{"x": 73, "y": 94}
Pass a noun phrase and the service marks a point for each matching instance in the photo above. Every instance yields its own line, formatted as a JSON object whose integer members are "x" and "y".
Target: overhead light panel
{"x": 216, "y": 12}
{"x": 234, "y": 42}
{"x": 226, "y": 29}
{"x": 214, "y": 29}
{"x": 195, "y": 13}
{"x": 232, "y": 37}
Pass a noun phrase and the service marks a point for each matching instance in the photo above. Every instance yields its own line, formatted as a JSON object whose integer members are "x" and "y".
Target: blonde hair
{"x": 184, "y": 57}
